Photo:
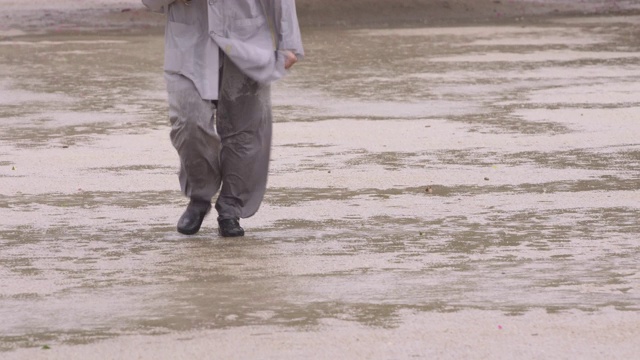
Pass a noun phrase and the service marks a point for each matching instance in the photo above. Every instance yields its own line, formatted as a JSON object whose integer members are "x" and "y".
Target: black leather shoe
{"x": 230, "y": 228}
{"x": 191, "y": 220}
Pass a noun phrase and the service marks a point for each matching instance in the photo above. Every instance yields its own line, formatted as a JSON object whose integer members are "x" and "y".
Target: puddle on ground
{"x": 428, "y": 170}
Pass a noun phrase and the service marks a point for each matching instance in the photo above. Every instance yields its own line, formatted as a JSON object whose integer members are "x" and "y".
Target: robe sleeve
{"x": 262, "y": 56}
{"x": 287, "y": 29}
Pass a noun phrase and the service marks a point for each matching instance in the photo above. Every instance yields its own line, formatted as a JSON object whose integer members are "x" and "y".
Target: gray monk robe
{"x": 244, "y": 42}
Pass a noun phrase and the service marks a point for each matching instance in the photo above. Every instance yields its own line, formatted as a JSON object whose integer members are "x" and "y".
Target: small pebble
{"x": 487, "y": 179}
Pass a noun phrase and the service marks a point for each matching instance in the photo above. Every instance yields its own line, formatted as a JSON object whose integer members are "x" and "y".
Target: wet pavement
{"x": 416, "y": 173}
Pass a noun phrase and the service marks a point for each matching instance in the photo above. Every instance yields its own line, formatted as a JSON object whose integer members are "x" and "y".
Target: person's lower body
{"x": 234, "y": 159}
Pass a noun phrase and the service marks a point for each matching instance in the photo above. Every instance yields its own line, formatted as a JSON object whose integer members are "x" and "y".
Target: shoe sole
{"x": 186, "y": 232}
{"x": 223, "y": 235}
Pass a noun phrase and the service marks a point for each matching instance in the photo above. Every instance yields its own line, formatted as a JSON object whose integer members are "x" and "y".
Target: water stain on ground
{"x": 527, "y": 136}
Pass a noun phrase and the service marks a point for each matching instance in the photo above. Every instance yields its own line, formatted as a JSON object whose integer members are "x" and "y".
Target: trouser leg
{"x": 244, "y": 124}
{"x": 194, "y": 136}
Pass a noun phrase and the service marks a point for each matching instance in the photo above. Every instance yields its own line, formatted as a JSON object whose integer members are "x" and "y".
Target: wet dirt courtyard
{"x": 442, "y": 192}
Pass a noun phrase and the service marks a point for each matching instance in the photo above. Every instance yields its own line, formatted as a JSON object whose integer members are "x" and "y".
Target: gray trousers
{"x": 228, "y": 146}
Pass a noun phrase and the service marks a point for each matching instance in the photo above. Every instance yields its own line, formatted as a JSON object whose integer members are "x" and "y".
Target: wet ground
{"x": 422, "y": 180}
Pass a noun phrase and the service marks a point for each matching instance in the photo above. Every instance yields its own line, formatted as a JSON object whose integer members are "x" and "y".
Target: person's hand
{"x": 290, "y": 59}
{"x": 186, "y": 2}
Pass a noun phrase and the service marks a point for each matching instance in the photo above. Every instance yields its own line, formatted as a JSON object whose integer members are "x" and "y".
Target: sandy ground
{"x": 460, "y": 191}
{"x": 467, "y": 335}
{"x": 129, "y": 15}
